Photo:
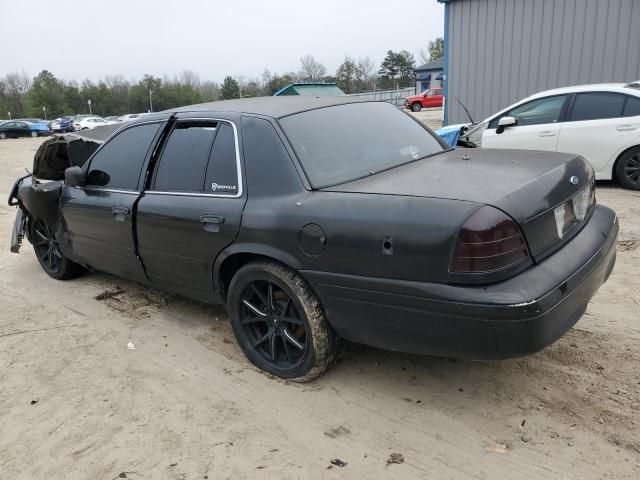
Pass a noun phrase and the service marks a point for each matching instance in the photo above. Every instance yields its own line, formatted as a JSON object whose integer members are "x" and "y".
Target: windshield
{"x": 346, "y": 142}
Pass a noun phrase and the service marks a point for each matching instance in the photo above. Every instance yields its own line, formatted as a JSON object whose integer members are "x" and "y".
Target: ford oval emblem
{"x": 574, "y": 180}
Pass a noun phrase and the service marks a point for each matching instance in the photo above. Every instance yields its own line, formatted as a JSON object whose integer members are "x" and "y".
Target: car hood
{"x": 522, "y": 183}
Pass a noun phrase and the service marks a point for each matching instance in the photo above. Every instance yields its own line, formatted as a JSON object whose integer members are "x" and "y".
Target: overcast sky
{"x": 92, "y": 39}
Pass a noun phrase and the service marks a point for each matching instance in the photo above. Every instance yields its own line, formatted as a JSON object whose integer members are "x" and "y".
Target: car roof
{"x": 601, "y": 87}
{"x": 275, "y": 107}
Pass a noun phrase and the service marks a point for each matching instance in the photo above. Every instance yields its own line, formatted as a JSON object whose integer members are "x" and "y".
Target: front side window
{"x": 597, "y": 106}
{"x": 119, "y": 162}
{"x": 536, "y": 112}
{"x": 345, "y": 142}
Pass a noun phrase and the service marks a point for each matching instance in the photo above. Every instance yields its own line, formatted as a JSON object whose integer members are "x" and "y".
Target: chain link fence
{"x": 395, "y": 97}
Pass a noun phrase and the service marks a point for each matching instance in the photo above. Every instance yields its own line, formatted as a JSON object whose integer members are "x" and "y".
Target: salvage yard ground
{"x": 76, "y": 402}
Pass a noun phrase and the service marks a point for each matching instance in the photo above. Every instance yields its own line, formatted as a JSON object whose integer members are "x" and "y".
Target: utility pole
{"x": 89, "y": 103}
{"x": 44, "y": 110}
{"x": 150, "y": 102}
{"x": 9, "y": 115}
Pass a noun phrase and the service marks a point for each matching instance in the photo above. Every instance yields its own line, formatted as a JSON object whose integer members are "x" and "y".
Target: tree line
{"x": 50, "y": 96}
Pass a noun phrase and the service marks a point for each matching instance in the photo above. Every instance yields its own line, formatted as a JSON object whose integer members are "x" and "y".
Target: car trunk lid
{"x": 526, "y": 185}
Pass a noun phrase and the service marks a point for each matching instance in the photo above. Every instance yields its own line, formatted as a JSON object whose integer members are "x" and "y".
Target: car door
{"x": 193, "y": 207}
{"x": 434, "y": 98}
{"x": 537, "y": 126}
{"x": 21, "y": 129}
{"x": 599, "y": 126}
{"x": 97, "y": 218}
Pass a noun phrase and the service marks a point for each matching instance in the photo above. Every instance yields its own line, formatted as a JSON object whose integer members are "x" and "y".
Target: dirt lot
{"x": 431, "y": 116}
{"x": 76, "y": 403}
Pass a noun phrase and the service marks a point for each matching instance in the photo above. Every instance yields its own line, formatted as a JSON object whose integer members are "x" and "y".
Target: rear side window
{"x": 222, "y": 170}
{"x": 597, "y": 106}
{"x": 184, "y": 158}
{"x": 118, "y": 163}
{"x": 632, "y": 107}
{"x": 199, "y": 156}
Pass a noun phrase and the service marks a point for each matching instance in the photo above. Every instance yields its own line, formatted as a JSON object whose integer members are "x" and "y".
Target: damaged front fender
{"x": 35, "y": 201}
{"x": 18, "y": 231}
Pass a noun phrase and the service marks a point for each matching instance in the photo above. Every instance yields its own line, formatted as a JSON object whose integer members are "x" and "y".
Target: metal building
{"x": 499, "y": 51}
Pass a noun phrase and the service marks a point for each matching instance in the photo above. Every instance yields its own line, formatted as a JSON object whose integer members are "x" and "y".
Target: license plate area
{"x": 573, "y": 212}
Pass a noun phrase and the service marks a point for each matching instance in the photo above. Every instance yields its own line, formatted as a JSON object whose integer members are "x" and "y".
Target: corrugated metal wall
{"x": 500, "y": 51}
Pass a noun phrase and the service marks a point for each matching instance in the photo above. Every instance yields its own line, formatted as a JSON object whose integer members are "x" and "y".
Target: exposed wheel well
{"x": 614, "y": 174}
{"x": 232, "y": 264}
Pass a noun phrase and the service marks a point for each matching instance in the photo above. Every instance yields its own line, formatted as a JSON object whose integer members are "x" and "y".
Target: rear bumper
{"x": 513, "y": 318}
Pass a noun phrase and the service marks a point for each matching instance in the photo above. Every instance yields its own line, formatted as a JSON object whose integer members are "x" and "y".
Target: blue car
{"x": 37, "y": 124}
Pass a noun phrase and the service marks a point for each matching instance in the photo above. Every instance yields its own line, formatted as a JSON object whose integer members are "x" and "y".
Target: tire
{"x": 48, "y": 253}
{"x": 628, "y": 169}
{"x": 416, "y": 106}
{"x": 279, "y": 322}
{"x": 34, "y": 134}
{"x": 3, "y": 135}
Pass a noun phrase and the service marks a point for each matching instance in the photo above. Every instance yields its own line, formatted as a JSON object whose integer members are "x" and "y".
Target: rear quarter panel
{"x": 420, "y": 231}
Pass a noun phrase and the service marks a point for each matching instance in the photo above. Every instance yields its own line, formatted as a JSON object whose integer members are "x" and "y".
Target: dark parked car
{"x": 320, "y": 219}
{"x": 20, "y": 128}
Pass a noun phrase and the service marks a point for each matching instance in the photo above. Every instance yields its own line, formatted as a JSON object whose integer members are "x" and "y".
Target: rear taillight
{"x": 489, "y": 241}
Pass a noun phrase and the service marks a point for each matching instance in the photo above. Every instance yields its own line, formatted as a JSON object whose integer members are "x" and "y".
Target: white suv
{"x": 600, "y": 122}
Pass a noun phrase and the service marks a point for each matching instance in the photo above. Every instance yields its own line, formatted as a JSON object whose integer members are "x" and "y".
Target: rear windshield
{"x": 346, "y": 142}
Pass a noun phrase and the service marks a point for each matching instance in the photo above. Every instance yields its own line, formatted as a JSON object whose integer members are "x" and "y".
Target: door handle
{"x": 211, "y": 222}
{"x": 547, "y": 133}
{"x": 626, "y": 128}
{"x": 119, "y": 213}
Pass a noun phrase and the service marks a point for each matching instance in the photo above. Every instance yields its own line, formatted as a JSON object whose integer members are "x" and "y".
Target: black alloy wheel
{"x": 47, "y": 248}
{"x": 628, "y": 169}
{"x": 280, "y": 323}
{"x": 273, "y": 325}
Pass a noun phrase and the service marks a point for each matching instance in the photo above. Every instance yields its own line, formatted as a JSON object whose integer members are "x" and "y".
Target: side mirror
{"x": 74, "y": 177}
{"x": 505, "y": 122}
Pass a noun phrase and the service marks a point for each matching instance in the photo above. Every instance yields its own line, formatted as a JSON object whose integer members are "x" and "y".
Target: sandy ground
{"x": 431, "y": 116}
{"x": 76, "y": 403}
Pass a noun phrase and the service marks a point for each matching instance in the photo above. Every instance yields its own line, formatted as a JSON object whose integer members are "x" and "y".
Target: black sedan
{"x": 320, "y": 219}
{"x": 16, "y": 128}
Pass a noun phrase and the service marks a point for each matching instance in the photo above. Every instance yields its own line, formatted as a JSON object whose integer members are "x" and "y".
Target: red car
{"x": 429, "y": 98}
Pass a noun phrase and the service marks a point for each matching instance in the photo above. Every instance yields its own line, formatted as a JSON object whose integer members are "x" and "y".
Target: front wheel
{"x": 628, "y": 169}
{"x": 49, "y": 255}
{"x": 416, "y": 107}
{"x": 34, "y": 134}
{"x": 279, "y": 322}
{"x": 3, "y": 135}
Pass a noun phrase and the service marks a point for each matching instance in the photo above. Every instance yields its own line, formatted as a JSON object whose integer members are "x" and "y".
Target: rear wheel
{"x": 279, "y": 323}
{"x": 49, "y": 255}
{"x": 416, "y": 106}
{"x": 3, "y": 135}
{"x": 628, "y": 169}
